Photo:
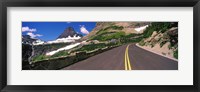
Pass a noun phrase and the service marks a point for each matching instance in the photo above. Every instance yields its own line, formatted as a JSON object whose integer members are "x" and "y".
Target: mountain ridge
{"x": 114, "y": 27}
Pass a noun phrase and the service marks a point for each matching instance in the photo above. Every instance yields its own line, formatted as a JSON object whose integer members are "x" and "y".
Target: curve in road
{"x": 126, "y": 57}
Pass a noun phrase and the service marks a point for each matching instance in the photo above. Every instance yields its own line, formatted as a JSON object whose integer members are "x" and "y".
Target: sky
{"x": 47, "y": 31}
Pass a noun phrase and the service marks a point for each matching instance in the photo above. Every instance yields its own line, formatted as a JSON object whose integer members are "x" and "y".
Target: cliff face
{"x": 126, "y": 27}
{"x": 26, "y": 54}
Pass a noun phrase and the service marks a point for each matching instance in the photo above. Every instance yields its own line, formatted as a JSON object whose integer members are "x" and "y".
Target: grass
{"x": 61, "y": 53}
{"x": 43, "y": 57}
{"x": 39, "y": 58}
{"x": 110, "y": 27}
{"x": 104, "y": 35}
{"x": 109, "y": 35}
{"x": 91, "y": 47}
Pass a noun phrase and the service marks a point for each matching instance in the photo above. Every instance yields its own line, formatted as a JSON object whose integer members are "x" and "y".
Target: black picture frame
{"x": 98, "y": 3}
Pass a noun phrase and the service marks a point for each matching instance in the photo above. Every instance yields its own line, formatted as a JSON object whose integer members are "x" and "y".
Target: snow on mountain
{"x": 64, "y": 40}
{"x": 38, "y": 42}
{"x": 61, "y": 49}
{"x": 141, "y": 28}
{"x": 68, "y": 35}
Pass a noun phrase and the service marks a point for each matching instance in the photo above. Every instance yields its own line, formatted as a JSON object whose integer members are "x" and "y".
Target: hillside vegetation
{"x": 162, "y": 37}
{"x": 41, "y": 50}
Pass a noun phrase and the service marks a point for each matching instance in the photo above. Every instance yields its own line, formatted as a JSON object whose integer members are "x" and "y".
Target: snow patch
{"x": 63, "y": 40}
{"x": 64, "y": 48}
{"x": 38, "y": 42}
{"x": 141, "y": 28}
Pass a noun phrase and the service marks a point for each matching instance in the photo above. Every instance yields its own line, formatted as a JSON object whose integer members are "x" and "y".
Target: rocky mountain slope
{"x": 109, "y": 28}
{"x": 162, "y": 38}
{"x": 26, "y": 39}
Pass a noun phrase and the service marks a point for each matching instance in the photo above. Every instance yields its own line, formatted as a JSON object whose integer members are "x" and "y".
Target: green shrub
{"x": 162, "y": 43}
{"x": 114, "y": 27}
{"x": 131, "y": 38}
{"x": 142, "y": 43}
{"x": 169, "y": 46}
{"x": 176, "y": 54}
{"x": 157, "y": 26}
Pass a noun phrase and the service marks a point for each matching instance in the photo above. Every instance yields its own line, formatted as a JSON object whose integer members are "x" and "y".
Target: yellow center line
{"x": 127, "y": 61}
{"x": 129, "y": 65}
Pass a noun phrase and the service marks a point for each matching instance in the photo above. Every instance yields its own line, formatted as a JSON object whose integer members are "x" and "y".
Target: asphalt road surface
{"x": 126, "y": 57}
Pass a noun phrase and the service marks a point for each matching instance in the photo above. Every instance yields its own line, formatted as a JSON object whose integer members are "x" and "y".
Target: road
{"x": 126, "y": 57}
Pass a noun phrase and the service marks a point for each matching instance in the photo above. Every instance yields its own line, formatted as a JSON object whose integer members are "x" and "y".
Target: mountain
{"x": 26, "y": 39}
{"x": 69, "y": 32}
{"x": 110, "y": 28}
{"x": 69, "y": 35}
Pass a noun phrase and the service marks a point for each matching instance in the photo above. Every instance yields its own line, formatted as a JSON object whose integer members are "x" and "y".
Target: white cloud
{"x": 30, "y": 32}
{"x": 32, "y": 35}
{"x": 83, "y": 29}
{"x": 27, "y": 29}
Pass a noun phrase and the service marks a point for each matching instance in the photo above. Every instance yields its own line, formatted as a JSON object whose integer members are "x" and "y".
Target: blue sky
{"x": 51, "y": 30}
